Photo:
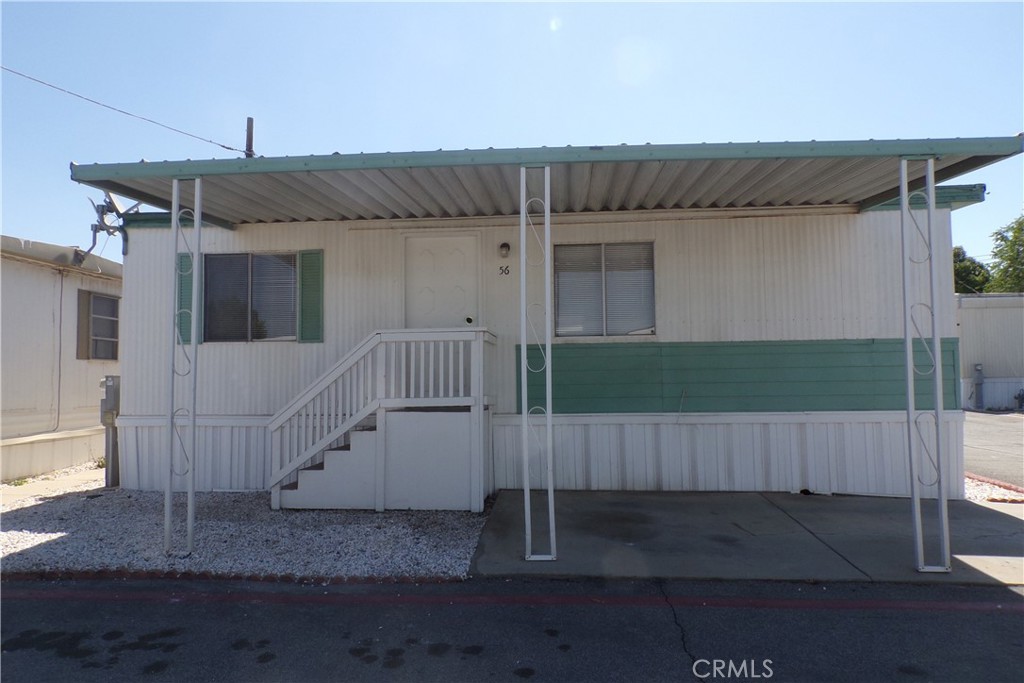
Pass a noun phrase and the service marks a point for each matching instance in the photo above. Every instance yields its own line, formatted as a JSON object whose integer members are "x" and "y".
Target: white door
{"x": 442, "y": 282}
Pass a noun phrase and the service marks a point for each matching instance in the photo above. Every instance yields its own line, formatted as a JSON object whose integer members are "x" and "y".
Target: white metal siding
{"x": 39, "y": 348}
{"x": 232, "y": 454}
{"x": 991, "y": 333}
{"x": 827, "y": 277}
{"x": 848, "y": 453}
{"x": 363, "y": 292}
{"x": 991, "y": 328}
{"x": 750, "y": 279}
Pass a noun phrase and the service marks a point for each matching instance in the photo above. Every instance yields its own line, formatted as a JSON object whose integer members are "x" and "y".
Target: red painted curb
{"x": 1012, "y": 605}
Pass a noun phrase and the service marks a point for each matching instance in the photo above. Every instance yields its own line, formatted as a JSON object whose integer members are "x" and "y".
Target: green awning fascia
{"x": 946, "y": 197}
{"x": 996, "y": 148}
{"x": 160, "y": 220}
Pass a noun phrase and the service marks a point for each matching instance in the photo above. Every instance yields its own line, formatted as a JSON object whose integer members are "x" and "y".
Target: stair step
{"x": 294, "y": 486}
{"x": 317, "y": 466}
{"x": 346, "y": 447}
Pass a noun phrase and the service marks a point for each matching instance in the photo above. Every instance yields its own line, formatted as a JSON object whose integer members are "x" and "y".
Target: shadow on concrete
{"x": 749, "y": 536}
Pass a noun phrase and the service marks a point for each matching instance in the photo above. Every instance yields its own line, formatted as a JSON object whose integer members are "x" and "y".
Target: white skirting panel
{"x": 28, "y": 456}
{"x": 860, "y": 453}
{"x": 232, "y": 453}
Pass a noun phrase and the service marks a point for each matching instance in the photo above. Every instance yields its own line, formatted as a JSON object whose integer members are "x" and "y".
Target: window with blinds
{"x": 604, "y": 289}
{"x": 249, "y": 297}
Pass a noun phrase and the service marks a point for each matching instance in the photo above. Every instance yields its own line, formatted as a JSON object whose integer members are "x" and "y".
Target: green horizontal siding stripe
{"x": 778, "y": 376}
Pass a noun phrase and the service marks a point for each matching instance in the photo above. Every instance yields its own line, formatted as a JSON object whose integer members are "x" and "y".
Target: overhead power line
{"x": 120, "y": 111}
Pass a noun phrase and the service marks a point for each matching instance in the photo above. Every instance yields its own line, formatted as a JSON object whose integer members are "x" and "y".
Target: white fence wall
{"x": 852, "y": 453}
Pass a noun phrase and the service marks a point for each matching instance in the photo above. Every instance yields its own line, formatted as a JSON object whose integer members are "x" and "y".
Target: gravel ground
{"x": 237, "y": 534}
{"x": 977, "y": 490}
{"x": 88, "y": 528}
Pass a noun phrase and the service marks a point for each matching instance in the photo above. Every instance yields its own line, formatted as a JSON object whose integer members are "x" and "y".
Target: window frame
{"x": 87, "y": 334}
{"x": 250, "y": 257}
{"x": 312, "y": 270}
{"x": 604, "y": 292}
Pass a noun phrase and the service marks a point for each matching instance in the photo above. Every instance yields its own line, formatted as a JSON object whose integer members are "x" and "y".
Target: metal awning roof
{"x": 476, "y": 183}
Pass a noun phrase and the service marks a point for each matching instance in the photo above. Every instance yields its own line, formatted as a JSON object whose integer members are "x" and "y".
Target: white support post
{"x": 188, "y": 452}
{"x": 525, "y": 337}
{"x": 172, "y": 375}
{"x": 476, "y": 468}
{"x": 548, "y": 322}
{"x": 932, "y": 343}
{"x": 937, "y": 382}
{"x": 380, "y": 463}
{"x": 197, "y": 288}
{"x": 380, "y": 440}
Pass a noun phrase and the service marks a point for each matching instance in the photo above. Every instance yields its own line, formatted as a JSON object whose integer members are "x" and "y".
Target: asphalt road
{"x": 994, "y": 446}
{"x": 505, "y": 630}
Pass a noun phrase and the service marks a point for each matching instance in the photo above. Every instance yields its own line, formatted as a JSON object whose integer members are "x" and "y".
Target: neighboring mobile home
{"x": 60, "y": 338}
{"x": 725, "y": 317}
{"x": 991, "y": 331}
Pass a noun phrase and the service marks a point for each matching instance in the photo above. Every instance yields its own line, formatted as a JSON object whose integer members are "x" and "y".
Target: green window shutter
{"x": 184, "y": 312}
{"x": 311, "y": 296}
{"x": 84, "y": 311}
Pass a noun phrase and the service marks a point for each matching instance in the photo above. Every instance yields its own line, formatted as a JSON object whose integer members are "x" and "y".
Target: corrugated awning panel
{"x": 465, "y": 184}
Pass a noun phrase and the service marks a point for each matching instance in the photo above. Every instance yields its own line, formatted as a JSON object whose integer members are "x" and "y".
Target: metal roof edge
{"x": 993, "y": 146}
{"x": 58, "y": 257}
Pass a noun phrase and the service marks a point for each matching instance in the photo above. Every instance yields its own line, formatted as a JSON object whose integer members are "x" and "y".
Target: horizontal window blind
{"x": 578, "y": 290}
{"x": 604, "y": 289}
{"x": 273, "y": 296}
{"x": 629, "y": 284}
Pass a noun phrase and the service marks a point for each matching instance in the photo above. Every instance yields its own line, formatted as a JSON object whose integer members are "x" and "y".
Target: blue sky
{"x": 346, "y": 77}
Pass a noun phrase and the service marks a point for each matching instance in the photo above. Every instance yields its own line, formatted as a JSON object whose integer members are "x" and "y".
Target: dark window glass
{"x": 226, "y": 302}
{"x": 249, "y": 297}
{"x": 103, "y": 327}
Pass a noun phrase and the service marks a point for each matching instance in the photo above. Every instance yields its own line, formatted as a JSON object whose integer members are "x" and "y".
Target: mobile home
{"x": 60, "y": 339}
{"x": 348, "y": 330}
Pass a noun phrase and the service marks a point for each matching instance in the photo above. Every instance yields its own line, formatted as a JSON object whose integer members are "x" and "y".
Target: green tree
{"x": 970, "y": 276}
{"x": 1008, "y": 258}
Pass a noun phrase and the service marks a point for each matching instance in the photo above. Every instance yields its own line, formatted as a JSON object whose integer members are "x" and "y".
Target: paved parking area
{"x": 994, "y": 446}
{"x": 750, "y": 536}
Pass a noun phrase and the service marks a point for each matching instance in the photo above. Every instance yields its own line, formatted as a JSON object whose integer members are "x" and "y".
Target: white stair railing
{"x": 388, "y": 369}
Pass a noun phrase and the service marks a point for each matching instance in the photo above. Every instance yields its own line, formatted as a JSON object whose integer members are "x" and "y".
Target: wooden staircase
{"x": 332, "y": 446}
{"x": 342, "y": 479}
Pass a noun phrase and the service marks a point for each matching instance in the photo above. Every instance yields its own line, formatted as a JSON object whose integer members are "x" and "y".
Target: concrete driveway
{"x": 750, "y": 536}
{"x": 994, "y": 446}
{"x": 770, "y": 535}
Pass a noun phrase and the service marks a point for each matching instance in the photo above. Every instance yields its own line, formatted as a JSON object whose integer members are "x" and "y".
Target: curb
{"x": 157, "y": 574}
{"x": 994, "y": 482}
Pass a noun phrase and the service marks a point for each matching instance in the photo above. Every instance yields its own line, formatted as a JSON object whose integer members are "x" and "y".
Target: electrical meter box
{"x": 110, "y": 408}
